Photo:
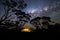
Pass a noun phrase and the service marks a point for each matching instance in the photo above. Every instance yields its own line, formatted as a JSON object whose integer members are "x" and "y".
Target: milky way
{"x": 49, "y": 8}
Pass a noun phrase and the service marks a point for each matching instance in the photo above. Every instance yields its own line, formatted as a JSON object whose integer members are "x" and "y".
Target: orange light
{"x": 26, "y": 30}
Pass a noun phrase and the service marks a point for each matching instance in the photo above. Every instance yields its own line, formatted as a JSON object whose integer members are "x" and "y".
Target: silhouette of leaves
{"x": 13, "y": 3}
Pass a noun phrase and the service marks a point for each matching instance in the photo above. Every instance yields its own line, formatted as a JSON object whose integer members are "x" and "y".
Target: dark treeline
{"x": 42, "y": 24}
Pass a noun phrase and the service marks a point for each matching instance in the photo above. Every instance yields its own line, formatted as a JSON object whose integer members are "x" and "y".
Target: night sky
{"x": 49, "y": 8}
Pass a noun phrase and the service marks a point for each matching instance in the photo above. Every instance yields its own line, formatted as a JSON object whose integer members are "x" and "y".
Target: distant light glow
{"x": 26, "y": 30}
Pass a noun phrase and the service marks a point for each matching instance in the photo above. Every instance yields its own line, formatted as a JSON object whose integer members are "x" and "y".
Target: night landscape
{"x": 29, "y": 15}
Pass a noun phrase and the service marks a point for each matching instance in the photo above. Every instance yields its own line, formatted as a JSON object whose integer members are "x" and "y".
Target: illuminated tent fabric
{"x": 26, "y": 30}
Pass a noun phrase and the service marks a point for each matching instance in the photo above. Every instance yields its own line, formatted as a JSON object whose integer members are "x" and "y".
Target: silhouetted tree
{"x": 36, "y": 22}
{"x": 51, "y": 27}
{"x": 45, "y": 23}
{"x": 45, "y": 20}
{"x": 22, "y": 17}
{"x": 57, "y": 27}
{"x": 10, "y": 5}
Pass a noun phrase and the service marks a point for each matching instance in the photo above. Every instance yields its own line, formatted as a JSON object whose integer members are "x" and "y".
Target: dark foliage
{"x": 6, "y": 25}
